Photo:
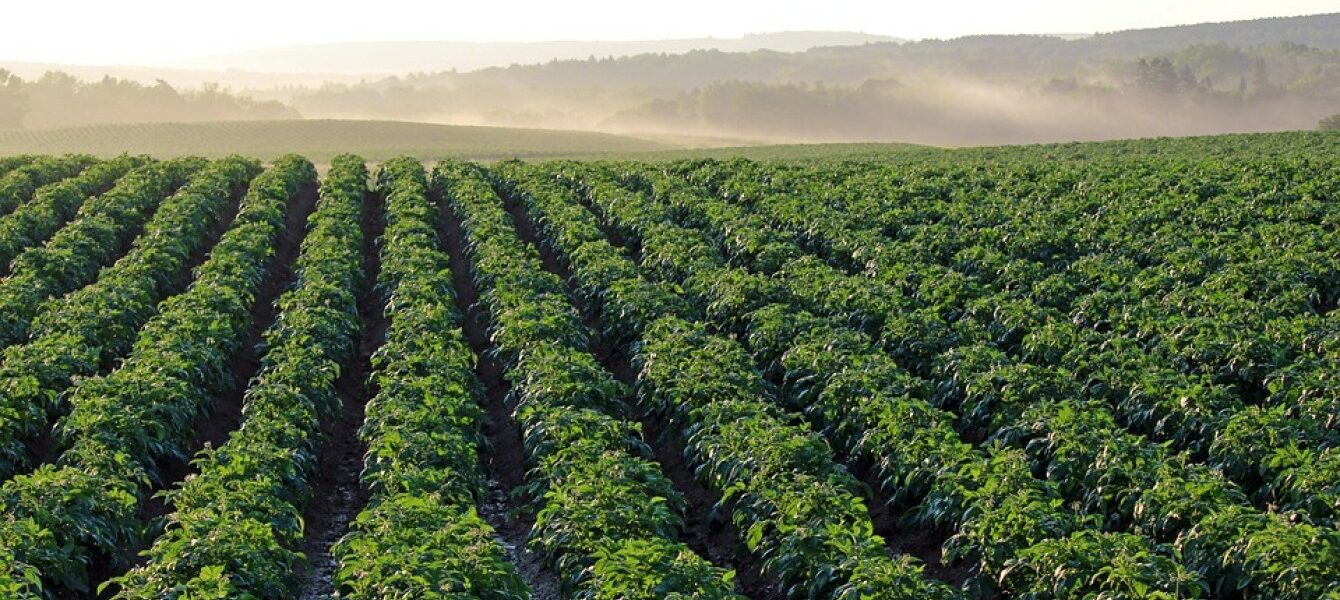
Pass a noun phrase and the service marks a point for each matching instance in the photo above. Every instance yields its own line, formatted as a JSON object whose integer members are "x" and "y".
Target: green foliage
{"x": 244, "y": 505}
{"x": 411, "y": 546}
{"x": 1102, "y": 372}
{"x": 1082, "y": 396}
{"x": 125, "y": 422}
{"x": 89, "y": 328}
{"x": 895, "y": 579}
{"x": 653, "y": 569}
{"x": 599, "y": 505}
{"x": 74, "y": 255}
{"x": 997, "y": 507}
{"x": 419, "y": 536}
{"x": 20, "y": 183}
{"x": 794, "y": 504}
{"x": 1122, "y": 565}
{"x": 1263, "y": 554}
{"x": 52, "y": 205}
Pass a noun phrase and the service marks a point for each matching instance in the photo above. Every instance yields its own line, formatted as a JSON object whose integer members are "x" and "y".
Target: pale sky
{"x": 168, "y": 32}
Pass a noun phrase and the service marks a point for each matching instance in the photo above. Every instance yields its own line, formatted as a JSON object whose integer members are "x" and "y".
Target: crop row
{"x": 419, "y": 535}
{"x": 123, "y": 424}
{"x": 237, "y": 524}
{"x": 85, "y": 331}
{"x": 72, "y": 257}
{"x": 18, "y": 185}
{"x": 977, "y": 492}
{"x": 1012, "y": 527}
{"x": 608, "y": 519}
{"x": 799, "y": 510}
{"x": 1229, "y": 364}
{"x": 863, "y": 420}
{"x": 1077, "y": 444}
{"x": 54, "y": 204}
{"x": 9, "y": 163}
{"x": 1225, "y": 354}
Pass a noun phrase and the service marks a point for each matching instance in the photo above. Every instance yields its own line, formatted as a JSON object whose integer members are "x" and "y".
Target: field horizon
{"x": 320, "y": 140}
{"x": 380, "y": 140}
{"x": 329, "y": 313}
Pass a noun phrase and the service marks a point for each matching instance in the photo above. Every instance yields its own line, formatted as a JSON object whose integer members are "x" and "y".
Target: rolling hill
{"x": 387, "y": 58}
{"x": 320, "y": 140}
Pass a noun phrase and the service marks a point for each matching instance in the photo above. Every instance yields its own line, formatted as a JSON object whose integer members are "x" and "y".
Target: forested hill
{"x": 385, "y": 58}
{"x": 1250, "y": 76}
{"x": 996, "y": 55}
{"x": 1317, "y": 31}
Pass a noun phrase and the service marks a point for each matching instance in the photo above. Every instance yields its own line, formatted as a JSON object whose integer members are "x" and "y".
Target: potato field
{"x": 1100, "y": 371}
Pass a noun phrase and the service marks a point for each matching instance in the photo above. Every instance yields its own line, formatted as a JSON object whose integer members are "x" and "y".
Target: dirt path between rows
{"x": 925, "y": 543}
{"x": 224, "y": 414}
{"x": 42, "y": 447}
{"x": 505, "y": 510}
{"x": 710, "y": 534}
{"x": 337, "y": 493}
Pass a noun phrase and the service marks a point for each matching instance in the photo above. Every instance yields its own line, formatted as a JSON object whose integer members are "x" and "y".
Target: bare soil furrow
{"x": 225, "y": 413}
{"x": 711, "y": 534}
{"x": 338, "y": 495}
{"x": 505, "y": 510}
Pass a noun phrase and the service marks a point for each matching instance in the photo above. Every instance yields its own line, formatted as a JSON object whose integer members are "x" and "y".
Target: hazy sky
{"x": 163, "y": 32}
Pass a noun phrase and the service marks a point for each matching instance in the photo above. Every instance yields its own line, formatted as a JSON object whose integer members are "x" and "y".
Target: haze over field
{"x": 753, "y": 72}
{"x": 721, "y": 300}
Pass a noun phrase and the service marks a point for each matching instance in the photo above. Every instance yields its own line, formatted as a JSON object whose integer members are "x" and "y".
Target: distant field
{"x": 321, "y": 140}
{"x": 785, "y": 152}
{"x": 376, "y": 141}
{"x": 1215, "y": 147}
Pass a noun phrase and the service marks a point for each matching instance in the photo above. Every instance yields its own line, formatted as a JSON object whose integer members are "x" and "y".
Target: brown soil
{"x": 925, "y": 543}
{"x": 224, "y": 414}
{"x": 505, "y": 509}
{"x": 337, "y": 493}
{"x": 42, "y": 448}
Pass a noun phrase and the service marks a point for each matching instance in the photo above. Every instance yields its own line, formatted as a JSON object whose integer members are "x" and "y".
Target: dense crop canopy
{"x": 1091, "y": 371}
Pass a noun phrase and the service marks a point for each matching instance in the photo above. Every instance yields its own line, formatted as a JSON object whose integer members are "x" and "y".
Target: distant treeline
{"x": 1262, "y": 75}
{"x": 58, "y": 99}
{"x": 1017, "y": 89}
